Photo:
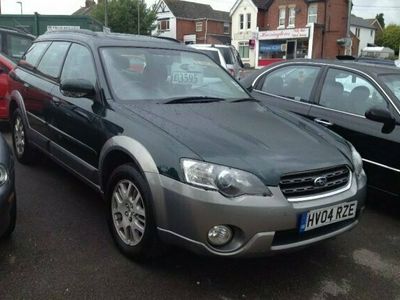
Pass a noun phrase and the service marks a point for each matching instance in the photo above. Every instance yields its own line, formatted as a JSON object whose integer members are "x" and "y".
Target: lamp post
{"x": 20, "y": 3}
{"x": 138, "y": 16}
{"x": 105, "y": 13}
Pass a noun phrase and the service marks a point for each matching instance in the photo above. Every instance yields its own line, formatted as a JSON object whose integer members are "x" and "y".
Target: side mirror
{"x": 77, "y": 88}
{"x": 382, "y": 116}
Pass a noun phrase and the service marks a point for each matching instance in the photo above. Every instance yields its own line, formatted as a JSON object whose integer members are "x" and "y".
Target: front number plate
{"x": 329, "y": 215}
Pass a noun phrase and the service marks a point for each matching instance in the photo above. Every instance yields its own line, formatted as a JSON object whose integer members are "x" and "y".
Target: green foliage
{"x": 381, "y": 19}
{"x": 123, "y": 16}
{"x": 391, "y": 37}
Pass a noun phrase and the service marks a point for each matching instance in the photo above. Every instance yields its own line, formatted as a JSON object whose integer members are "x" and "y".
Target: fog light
{"x": 219, "y": 235}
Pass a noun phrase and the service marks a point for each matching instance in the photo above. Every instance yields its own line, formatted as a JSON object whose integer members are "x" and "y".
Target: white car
{"x": 212, "y": 52}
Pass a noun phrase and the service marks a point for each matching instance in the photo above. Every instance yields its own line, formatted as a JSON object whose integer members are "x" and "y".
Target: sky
{"x": 362, "y": 8}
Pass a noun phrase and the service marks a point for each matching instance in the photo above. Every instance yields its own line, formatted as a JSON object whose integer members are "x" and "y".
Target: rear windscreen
{"x": 227, "y": 53}
{"x": 213, "y": 54}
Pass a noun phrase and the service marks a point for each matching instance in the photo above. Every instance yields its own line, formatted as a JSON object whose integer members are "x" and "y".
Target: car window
{"x": 77, "y": 57}
{"x": 166, "y": 74}
{"x": 53, "y": 59}
{"x": 17, "y": 45}
{"x": 392, "y": 81}
{"x": 349, "y": 92}
{"x": 34, "y": 53}
{"x": 294, "y": 82}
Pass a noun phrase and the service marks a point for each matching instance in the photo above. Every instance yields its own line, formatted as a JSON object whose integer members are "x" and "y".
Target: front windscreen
{"x": 160, "y": 74}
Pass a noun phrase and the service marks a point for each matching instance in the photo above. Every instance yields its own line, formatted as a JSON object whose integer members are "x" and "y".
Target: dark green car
{"x": 180, "y": 151}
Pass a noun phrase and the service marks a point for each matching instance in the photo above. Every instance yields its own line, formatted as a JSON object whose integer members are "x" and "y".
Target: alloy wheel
{"x": 128, "y": 212}
{"x": 19, "y": 136}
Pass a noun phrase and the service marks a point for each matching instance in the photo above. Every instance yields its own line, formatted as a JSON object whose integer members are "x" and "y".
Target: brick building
{"x": 192, "y": 23}
{"x": 286, "y": 29}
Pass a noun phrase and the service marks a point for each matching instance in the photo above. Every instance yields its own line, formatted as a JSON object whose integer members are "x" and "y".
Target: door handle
{"x": 56, "y": 100}
{"x": 323, "y": 122}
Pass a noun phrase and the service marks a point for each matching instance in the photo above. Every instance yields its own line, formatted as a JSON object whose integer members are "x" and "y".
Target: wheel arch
{"x": 16, "y": 101}
{"x": 119, "y": 150}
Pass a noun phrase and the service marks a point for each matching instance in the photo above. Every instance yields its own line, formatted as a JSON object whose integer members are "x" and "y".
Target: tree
{"x": 391, "y": 37}
{"x": 381, "y": 19}
{"x": 123, "y": 16}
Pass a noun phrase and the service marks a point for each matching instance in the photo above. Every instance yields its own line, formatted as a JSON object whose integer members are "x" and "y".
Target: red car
{"x": 6, "y": 65}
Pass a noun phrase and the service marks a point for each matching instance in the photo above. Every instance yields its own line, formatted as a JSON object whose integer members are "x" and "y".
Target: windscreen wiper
{"x": 193, "y": 99}
{"x": 245, "y": 100}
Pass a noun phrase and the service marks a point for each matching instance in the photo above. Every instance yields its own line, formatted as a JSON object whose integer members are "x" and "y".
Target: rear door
{"x": 345, "y": 97}
{"x": 290, "y": 87}
{"x": 38, "y": 85}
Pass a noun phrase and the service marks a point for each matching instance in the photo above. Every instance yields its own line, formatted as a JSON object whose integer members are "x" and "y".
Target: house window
{"x": 358, "y": 32}
{"x": 227, "y": 29}
{"x": 244, "y": 49}
{"x": 199, "y": 26}
{"x": 248, "y": 21}
{"x": 241, "y": 22}
{"x": 372, "y": 32}
{"x": 312, "y": 13}
{"x": 282, "y": 17}
{"x": 292, "y": 17}
{"x": 163, "y": 25}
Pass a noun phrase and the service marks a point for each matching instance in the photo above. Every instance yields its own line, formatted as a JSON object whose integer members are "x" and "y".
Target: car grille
{"x": 303, "y": 184}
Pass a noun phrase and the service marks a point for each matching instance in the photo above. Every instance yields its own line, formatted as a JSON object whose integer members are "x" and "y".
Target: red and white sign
{"x": 284, "y": 34}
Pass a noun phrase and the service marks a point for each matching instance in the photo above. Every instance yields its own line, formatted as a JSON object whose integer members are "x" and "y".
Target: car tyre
{"x": 130, "y": 214}
{"x": 22, "y": 149}
{"x": 13, "y": 218}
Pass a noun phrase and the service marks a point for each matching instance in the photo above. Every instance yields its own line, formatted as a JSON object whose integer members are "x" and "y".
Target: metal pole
{"x": 138, "y": 16}
{"x": 348, "y": 47}
{"x": 20, "y": 3}
{"x": 106, "y": 13}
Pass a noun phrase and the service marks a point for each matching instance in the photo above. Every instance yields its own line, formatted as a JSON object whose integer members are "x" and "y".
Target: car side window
{"x": 294, "y": 82}
{"x": 17, "y": 45}
{"x": 34, "y": 53}
{"x": 350, "y": 92}
{"x": 51, "y": 62}
{"x": 77, "y": 57}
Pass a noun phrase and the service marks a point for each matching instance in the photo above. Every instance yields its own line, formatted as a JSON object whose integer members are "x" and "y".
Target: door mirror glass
{"x": 77, "y": 88}
{"x": 381, "y": 115}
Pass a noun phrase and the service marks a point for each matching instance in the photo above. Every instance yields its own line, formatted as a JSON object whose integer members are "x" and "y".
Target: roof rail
{"x": 81, "y": 31}
{"x": 167, "y": 38}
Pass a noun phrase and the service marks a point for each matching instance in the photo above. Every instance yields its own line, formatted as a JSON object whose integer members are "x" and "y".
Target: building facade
{"x": 287, "y": 29}
{"x": 365, "y": 30}
{"x": 192, "y": 23}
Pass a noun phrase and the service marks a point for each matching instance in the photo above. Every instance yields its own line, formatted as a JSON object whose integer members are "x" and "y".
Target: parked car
{"x": 360, "y": 102}
{"x": 180, "y": 151}
{"x": 6, "y": 65}
{"x": 8, "y": 199}
{"x": 14, "y": 42}
{"x": 232, "y": 58}
{"x": 377, "y": 61}
{"x": 212, "y": 52}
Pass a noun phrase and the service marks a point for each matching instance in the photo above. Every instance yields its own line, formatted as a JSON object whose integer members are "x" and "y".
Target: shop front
{"x": 277, "y": 45}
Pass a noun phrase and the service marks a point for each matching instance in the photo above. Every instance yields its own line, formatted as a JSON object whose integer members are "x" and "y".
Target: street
{"x": 62, "y": 248}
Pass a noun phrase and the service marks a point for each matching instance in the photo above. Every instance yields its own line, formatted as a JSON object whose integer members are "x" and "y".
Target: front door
{"x": 344, "y": 99}
{"x": 76, "y": 123}
{"x": 291, "y": 49}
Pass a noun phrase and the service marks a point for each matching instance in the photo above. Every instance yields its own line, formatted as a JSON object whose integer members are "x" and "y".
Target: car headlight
{"x": 357, "y": 160}
{"x": 229, "y": 182}
{"x": 3, "y": 174}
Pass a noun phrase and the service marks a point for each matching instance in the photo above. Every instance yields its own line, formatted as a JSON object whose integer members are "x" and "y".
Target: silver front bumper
{"x": 184, "y": 215}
